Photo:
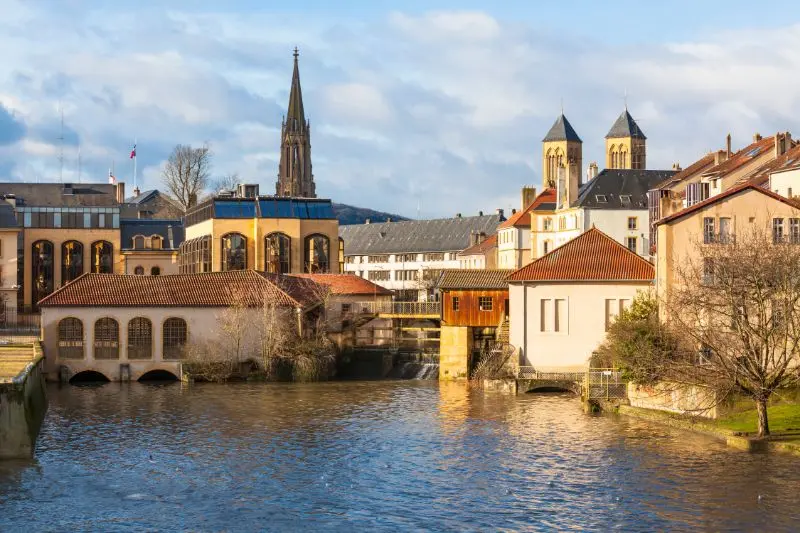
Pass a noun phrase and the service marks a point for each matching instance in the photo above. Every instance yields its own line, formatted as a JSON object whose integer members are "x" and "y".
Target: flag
{"x": 133, "y": 152}
{"x": 111, "y": 179}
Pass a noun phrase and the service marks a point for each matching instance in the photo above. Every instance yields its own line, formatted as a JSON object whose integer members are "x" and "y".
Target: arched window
{"x": 71, "y": 261}
{"x": 102, "y": 257}
{"x": 174, "y": 338}
{"x": 106, "y": 339}
{"x": 277, "y": 253}
{"x": 70, "y": 339}
{"x": 155, "y": 242}
{"x": 138, "y": 242}
{"x": 234, "y": 252}
{"x": 140, "y": 338}
{"x": 318, "y": 253}
{"x": 155, "y": 271}
{"x": 139, "y": 270}
{"x": 42, "y": 270}
{"x": 341, "y": 255}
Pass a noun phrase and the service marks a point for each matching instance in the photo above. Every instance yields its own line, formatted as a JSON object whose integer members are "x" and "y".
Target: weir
{"x": 23, "y": 400}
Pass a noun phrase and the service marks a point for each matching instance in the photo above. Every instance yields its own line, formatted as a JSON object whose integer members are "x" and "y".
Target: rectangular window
{"x": 560, "y": 315}
{"x": 378, "y": 275}
{"x": 777, "y": 230}
{"x": 456, "y": 303}
{"x": 433, "y": 257}
{"x": 725, "y": 235}
{"x": 562, "y": 223}
{"x": 378, "y": 258}
{"x": 544, "y": 322}
{"x": 406, "y": 258}
{"x": 708, "y": 230}
{"x": 612, "y": 309}
{"x": 633, "y": 223}
{"x": 548, "y": 224}
{"x": 345, "y": 308}
{"x": 630, "y": 242}
{"x": 623, "y": 305}
{"x": 794, "y": 230}
{"x": 485, "y": 303}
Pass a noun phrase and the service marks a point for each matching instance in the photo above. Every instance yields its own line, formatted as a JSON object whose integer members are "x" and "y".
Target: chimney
{"x": 528, "y": 195}
{"x": 592, "y": 171}
{"x": 676, "y": 166}
{"x": 513, "y": 210}
{"x": 720, "y": 156}
{"x": 120, "y": 190}
{"x": 11, "y": 199}
{"x": 728, "y": 144}
{"x": 366, "y": 221}
{"x": 136, "y": 192}
{"x": 500, "y": 214}
{"x": 473, "y": 238}
{"x": 756, "y": 137}
{"x": 458, "y": 215}
{"x": 480, "y": 213}
{"x": 783, "y": 142}
{"x": 170, "y": 237}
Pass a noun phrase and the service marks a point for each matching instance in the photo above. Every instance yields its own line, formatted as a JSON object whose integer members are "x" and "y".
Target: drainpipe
{"x": 299, "y": 312}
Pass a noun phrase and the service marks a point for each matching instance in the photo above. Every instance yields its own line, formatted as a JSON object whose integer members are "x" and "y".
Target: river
{"x": 376, "y": 456}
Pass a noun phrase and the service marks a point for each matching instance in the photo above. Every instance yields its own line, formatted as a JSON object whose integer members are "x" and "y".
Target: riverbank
{"x": 736, "y": 430}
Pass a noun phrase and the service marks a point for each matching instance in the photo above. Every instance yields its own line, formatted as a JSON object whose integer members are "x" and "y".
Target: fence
{"x": 18, "y": 327}
{"x": 604, "y": 384}
{"x": 528, "y": 372}
{"x": 428, "y": 309}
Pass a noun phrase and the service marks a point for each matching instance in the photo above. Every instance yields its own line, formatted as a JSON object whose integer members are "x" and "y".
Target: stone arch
{"x": 158, "y": 374}
{"x": 88, "y": 377}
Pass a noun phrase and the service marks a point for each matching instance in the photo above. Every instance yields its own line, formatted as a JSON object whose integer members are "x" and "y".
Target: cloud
{"x": 440, "y": 112}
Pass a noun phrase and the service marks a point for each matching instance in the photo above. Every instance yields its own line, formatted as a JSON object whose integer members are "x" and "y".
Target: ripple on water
{"x": 377, "y": 456}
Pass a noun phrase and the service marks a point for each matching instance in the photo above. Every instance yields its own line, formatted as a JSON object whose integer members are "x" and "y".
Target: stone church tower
{"x": 562, "y": 155}
{"x": 294, "y": 172}
{"x": 626, "y": 145}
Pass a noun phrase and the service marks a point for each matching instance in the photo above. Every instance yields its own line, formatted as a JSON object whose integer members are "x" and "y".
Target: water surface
{"x": 377, "y": 456}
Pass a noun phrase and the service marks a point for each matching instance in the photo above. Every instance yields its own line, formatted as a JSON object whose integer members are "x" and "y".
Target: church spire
{"x": 294, "y": 171}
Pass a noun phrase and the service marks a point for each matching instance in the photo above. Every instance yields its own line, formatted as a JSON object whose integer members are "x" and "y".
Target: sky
{"x": 419, "y": 108}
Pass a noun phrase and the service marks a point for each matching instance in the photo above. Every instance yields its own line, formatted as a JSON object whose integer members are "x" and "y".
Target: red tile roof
{"x": 699, "y": 166}
{"x": 344, "y": 284}
{"x": 742, "y": 157}
{"x": 787, "y": 161}
{"x": 522, "y": 219}
{"x": 719, "y": 197}
{"x": 592, "y": 256}
{"x": 211, "y": 289}
{"x": 482, "y": 247}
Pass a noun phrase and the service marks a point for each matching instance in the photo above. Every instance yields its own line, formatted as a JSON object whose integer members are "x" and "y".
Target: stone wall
{"x": 23, "y": 404}
{"x": 455, "y": 351}
{"x": 674, "y": 398}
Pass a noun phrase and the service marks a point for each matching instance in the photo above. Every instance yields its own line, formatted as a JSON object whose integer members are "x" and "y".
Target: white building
{"x": 407, "y": 257}
{"x": 614, "y": 202}
{"x": 562, "y": 304}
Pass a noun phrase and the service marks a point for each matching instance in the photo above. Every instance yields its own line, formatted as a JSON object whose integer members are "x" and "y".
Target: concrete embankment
{"x": 23, "y": 400}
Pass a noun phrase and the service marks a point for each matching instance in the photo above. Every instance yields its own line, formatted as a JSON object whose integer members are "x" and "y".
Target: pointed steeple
{"x": 625, "y": 126}
{"x": 295, "y": 116}
{"x": 561, "y": 130}
{"x": 295, "y": 177}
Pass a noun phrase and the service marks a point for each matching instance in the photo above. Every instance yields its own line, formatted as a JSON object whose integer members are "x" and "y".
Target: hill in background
{"x": 348, "y": 214}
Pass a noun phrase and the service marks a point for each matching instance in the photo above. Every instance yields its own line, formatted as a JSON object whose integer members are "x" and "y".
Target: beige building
{"x": 481, "y": 255}
{"x": 150, "y": 246}
{"x": 562, "y": 303}
{"x": 562, "y": 149}
{"x": 9, "y": 234}
{"x": 718, "y": 220}
{"x": 123, "y": 327}
{"x": 514, "y": 235}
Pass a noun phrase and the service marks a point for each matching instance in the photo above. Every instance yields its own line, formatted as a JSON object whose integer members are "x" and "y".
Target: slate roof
{"x": 210, "y": 289}
{"x": 8, "y": 218}
{"x": 591, "y": 256}
{"x": 615, "y": 184}
{"x": 625, "y": 126}
{"x": 561, "y": 130}
{"x": 144, "y": 196}
{"x": 347, "y": 284}
{"x": 489, "y": 243}
{"x": 474, "y": 279}
{"x": 58, "y": 195}
{"x": 522, "y": 219}
{"x": 410, "y": 236}
{"x": 130, "y": 227}
{"x": 736, "y": 189}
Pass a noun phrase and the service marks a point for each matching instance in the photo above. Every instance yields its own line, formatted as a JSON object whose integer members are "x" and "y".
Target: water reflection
{"x": 376, "y": 456}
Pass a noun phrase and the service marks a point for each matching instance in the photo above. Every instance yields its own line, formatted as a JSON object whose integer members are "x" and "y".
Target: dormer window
{"x": 625, "y": 199}
{"x": 155, "y": 242}
{"x": 138, "y": 242}
{"x": 601, "y": 198}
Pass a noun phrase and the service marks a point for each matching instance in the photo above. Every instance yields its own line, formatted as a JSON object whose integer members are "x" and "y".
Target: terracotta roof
{"x": 699, "y": 166}
{"x": 346, "y": 284}
{"x": 787, "y": 161}
{"x": 482, "y": 247}
{"x": 742, "y": 157}
{"x": 719, "y": 197}
{"x": 522, "y": 219}
{"x": 592, "y": 256}
{"x": 211, "y": 289}
{"x": 474, "y": 279}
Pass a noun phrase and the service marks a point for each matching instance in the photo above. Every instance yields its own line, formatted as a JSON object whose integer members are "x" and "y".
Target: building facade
{"x": 151, "y": 246}
{"x": 626, "y": 144}
{"x": 562, "y": 304}
{"x": 408, "y": 257}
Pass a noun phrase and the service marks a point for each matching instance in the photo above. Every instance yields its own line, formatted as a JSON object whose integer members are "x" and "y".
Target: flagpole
{"x": 135, "y": 157}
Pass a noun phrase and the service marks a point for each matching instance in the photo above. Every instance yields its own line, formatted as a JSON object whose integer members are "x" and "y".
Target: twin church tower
{"x": 561, "y": 148}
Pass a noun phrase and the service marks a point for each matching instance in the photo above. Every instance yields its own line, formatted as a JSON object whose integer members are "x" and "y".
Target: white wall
{"x": 582, "y": 324}
{"x": 614, "y": 223}
{"x": 782, "y": 182}
{"x": 361, "y": 267}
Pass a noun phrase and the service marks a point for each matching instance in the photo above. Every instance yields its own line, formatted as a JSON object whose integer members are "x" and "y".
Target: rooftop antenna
{"x": 562, "y": 105}
{"x": 61, "y": 146}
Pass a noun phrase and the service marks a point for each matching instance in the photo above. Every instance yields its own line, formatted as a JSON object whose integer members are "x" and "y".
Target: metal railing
{"x": 18, "y": 327}
{"x": 604, "y": 384}
{"x": 398, "y": 308}
{"x": 529, "y": 372}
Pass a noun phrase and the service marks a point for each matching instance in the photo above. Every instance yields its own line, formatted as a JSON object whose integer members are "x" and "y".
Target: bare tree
{"x": 228, "y": 182}
{"x": 186, "y": 174}
{"x": 736, "y": 301}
